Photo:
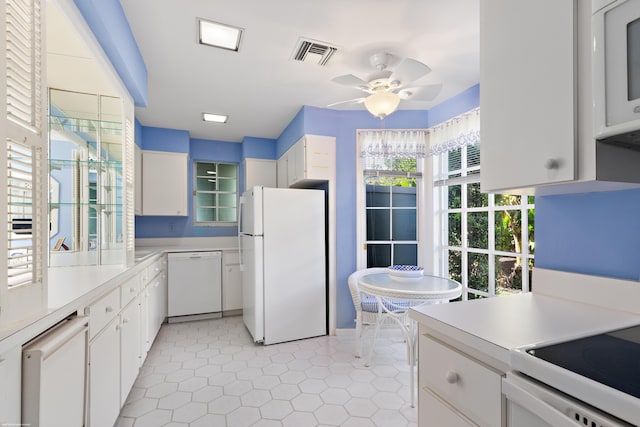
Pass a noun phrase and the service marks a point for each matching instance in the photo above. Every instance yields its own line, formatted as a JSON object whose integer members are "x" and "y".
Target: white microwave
{"x": 616, "y": 71}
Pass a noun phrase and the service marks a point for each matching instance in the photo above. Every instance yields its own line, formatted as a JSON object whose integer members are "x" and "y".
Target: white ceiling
{"x": 260, "y": 87}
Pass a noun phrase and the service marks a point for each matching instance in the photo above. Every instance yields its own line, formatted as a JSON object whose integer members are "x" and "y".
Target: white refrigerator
{"x": 282, "y": 260}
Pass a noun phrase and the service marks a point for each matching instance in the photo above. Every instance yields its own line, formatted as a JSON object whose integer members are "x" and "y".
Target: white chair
{"x": 367, "y": 312}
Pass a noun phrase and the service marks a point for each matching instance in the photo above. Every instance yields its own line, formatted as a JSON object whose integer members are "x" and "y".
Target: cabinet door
{"x": 129, "y": 347}
{"x": 259, "y": 172}
{"x": 164, "y": 183}
{"x": 157, "y": 305}
{"x": 232, "y": 288}
{"x": 104, "y": 377}
{"x": 528, "y": 96}
{"x": 10, "y": 386}
{"x": 320, "y": 155}
{"x": 282, "y": 171}
{"x": 231, "y": 281}
{"x": 145, "y": 341}
{"x": 294, "y": 156}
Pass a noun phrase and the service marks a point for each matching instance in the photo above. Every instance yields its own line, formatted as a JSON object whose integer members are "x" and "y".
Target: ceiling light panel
{"x": 216, "y": 118}
{"x": 219, "y": 35}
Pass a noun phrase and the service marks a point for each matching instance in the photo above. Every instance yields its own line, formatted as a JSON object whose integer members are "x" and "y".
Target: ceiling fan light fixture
{"x": 381, "y": 104}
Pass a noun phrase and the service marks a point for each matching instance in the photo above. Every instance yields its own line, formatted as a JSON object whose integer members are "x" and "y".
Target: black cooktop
{"x": 611, "y": 358}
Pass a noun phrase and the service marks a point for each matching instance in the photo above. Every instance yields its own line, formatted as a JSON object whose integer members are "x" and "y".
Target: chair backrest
{"x": 353, "y": 283}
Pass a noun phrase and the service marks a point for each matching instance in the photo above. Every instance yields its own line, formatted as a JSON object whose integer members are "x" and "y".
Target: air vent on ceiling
{"x": 308, "y": 50}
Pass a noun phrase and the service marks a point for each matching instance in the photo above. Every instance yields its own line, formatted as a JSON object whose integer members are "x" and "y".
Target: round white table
{"x": 396, "y": 295}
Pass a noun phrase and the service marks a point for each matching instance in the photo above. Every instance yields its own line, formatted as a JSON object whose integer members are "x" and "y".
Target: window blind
{"x": 455, "y": 149}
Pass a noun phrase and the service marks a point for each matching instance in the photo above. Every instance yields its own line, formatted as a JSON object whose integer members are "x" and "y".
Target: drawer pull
{"x": 452, "y": 377}
{"x": 108, "y": 309}
{"x": 132, "y": 290}
{"x": 125, "y": 320}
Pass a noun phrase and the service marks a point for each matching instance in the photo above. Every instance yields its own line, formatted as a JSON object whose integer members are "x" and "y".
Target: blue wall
{"x": 178, "y": 141}
{"x": 593, "y": 233}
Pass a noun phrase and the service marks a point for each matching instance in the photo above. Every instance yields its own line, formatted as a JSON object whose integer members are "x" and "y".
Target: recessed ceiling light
{"x": 219, "y": 35}
{"x": 217, "y": 118}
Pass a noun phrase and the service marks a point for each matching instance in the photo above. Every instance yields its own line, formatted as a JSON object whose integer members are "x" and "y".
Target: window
{"x": 391, "y": 165}
{"x": 216, "y": 193}
{"x": 486, "y": 240}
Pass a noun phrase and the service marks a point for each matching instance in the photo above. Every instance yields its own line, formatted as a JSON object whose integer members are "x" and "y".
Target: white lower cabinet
{"x": 157, "y": 305}
{"x": 455, "y": 388}
{"x": 231, "y": 281}
{"x": 10, "y": 386}
{"x": 104, "y": 376}
{"x": 117, "y": 350}
{"x": 130, "y": 350}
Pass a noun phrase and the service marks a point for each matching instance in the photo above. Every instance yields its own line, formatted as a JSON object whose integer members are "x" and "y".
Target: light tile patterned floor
{"x": 209, "y": 373}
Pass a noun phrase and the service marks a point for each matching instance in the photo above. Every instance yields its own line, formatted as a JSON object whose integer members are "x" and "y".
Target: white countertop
{"x": 71, "y": 288}
{"x": 494, "y": 326}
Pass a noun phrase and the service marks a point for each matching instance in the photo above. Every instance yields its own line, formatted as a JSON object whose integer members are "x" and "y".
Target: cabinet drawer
{"x": 103, "y": 311}
{"x": 436, "y": 413}
{"x": 153, "y": 270}
{"x": 129, "y": 290}
{"x": 463, "y": 382}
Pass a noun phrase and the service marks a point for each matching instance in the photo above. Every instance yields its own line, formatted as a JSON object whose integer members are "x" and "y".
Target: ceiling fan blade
{"x": 349, "y": 101}
{"x": 420, "y": 93}
{"x": 408, "y": 71}
{"x": 350, "y": 80}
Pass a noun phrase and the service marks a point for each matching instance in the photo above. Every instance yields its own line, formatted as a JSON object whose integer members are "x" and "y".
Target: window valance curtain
{"x": 455, "y": 133}
{"x": 393, "y": 144}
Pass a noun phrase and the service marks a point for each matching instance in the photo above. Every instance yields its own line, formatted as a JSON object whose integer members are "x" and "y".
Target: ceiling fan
{"x": 386, "y": 87}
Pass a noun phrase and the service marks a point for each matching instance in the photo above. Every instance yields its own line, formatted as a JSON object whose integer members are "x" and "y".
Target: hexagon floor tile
{"x": 210, "y": 373}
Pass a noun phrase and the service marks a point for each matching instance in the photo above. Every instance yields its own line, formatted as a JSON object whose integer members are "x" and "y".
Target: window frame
{"x": 235, "y": 193}
{"x": 464, "y": 177}
{"x": 424, "y": 217}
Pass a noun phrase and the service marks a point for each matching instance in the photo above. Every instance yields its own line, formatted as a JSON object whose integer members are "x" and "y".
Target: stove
{"x": 602, "y": 370}
{"x": 611, "y": 358}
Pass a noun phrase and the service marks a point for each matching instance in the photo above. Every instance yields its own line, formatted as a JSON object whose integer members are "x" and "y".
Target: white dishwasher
{"x": 195, "y": 285}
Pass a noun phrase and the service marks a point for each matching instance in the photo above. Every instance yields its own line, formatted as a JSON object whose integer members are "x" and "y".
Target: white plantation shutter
{"x": 23, "y": 181}
{"x": 129, "y": 156}
{"x": 24, "y": 233}
{"x": 24, "y": 63}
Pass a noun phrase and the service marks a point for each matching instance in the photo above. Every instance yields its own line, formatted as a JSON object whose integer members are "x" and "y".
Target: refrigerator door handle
{"x": 240, "y": 250}
{"x": 240, "y": 231}
{"x": 240, "y": 204}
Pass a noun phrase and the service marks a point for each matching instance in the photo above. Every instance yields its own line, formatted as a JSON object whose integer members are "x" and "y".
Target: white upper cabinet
{"x": 259, "y": 172}
{"x": 312, "y": 158}
{"x": 164, "y": 183}
{"x": 527, "y": 92}
{"x": 536, "y": 102}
